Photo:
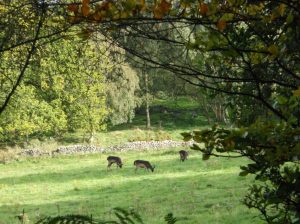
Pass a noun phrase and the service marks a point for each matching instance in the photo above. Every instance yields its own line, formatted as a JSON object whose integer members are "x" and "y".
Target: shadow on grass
{"x": 167, "y": 119}
{"x": 163, "y": 165}
{"x": 152, "y": 198}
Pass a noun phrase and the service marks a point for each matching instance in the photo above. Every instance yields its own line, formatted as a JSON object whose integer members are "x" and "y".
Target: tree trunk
{"x": 91, "y": 137}
{"x": 147, "y": 101}
{"x": 91, "y": 128}
{"x": 207, "y": 114}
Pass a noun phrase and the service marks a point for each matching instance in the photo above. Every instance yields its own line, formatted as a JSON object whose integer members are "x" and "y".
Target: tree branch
{"x": 22, "y": 72}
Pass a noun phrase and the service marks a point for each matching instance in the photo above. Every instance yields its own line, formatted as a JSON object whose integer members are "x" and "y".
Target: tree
{"x": 76, "y": 82}
{"x": 122, "y": 88}
{"x": 212, "y": 104}
{"x": 59, "y": 93}
{"x": 23, "y": 23}
{"x": 28, "y": 114}
{"x": 249, "y": 49}
{"x": 52, "y": 70}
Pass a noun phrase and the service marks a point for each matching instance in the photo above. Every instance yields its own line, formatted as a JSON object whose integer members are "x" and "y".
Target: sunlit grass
{"x": 197, "y": 191}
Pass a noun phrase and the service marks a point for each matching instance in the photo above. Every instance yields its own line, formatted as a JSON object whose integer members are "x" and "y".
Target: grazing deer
{"x": 143, "y": 164}
{"x": 114, "y": 159}
{"x": 183, "y": 155}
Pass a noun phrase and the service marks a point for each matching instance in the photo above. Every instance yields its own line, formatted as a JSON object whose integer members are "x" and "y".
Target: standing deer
{"x": 114, "y": 159}
{"x": 183, "y": 155}
{"x": 143, "y": 164}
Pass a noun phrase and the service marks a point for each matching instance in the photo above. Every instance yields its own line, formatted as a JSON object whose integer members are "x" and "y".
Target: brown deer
{"x": 183, "y": 155}
{"x": 114, "y": 159}
{"x": 143, "y": 164}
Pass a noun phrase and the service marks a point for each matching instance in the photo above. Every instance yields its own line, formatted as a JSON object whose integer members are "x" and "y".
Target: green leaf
{"x": 205, "y": 156}
{"x": 186, "y": 136}
{"x": 297, "y": 92}
{"x": 195, "y": 147}
{"x": 289, "y": 18}
{"x": 197, "y": 138}
{"x": 243, "y": 173}
{"x": 227, "y": 16}
{"x": 282, "y": 100}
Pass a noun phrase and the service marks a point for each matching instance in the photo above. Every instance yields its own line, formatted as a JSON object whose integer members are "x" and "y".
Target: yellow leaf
{"x": 85, "y": 10}
{"x": 281, "y": 9}
{"x": 221, "y": 25}
{"x": 141, "y": 5}
{"x": 274, "y": 16}
{"x": 162, "y": 9}
{"x": 157, "y": 13}
{"x": 85, "y": 2}
{"x": 124, "y": 15}
{"x": 253, "y": 9}
{"x": 129, "y": 5}
{"x": 73, "y": 8}
{"x": 97, "y": 16}
{"x": 116, "y": 17}
{"x": 185, "y": 4}
{"x": 273, "y": 50}
{"x": 203, "y": 9}
{"x": 103, "y": 6}
{"x": 74, "y": 19}
{"x": 297, "y": 92}
{"x": 165, "y": 6}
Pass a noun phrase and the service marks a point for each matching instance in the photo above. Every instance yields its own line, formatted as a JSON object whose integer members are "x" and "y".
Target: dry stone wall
{"x": 84, "y": 149}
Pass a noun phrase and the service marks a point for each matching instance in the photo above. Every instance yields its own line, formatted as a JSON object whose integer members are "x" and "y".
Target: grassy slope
{"x": 176, "y": 118}
{"x": 199, "y": 191}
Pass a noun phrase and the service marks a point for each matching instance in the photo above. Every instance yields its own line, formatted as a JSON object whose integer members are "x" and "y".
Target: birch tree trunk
{"x": 147, "y": 101}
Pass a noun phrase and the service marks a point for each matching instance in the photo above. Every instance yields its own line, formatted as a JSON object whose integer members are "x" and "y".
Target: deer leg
{"x": 109, "y": 165}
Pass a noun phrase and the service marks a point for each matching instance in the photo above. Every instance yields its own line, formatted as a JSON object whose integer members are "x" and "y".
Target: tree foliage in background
{"x": 62, "y": 72}
{"x": 246, "y": 49}
{"x": 122, "y": 88}
{"x": 63, "y": 90}
{"x": 73, "y": 73}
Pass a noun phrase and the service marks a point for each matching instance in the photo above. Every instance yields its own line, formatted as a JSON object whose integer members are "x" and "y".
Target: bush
{"x": 7, "y": 155}
{"x": 148, "y": 135}
{"x": 123, "y": 216}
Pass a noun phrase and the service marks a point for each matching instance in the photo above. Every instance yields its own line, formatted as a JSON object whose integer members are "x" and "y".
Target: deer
{"x": 183, "y": 155}
{"x": 114, "y": 159}
{"x": 143, "y": 164}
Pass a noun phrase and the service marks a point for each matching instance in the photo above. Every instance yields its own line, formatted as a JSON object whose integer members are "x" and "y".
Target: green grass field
{"x": 169, "y": 125}
{"x": 196, "y": 191}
